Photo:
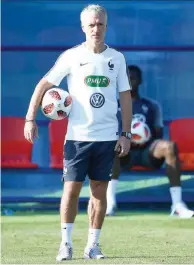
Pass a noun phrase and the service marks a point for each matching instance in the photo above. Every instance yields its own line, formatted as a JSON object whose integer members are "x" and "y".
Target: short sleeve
{"x": 158, "y": 121}
{"x": 60, "y": 69}
{"x": 122, "y": 78}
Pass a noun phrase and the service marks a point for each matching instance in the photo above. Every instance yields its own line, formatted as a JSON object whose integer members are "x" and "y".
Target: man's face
{"x": 135, "y": 80}
{"x": 94, "y": 26}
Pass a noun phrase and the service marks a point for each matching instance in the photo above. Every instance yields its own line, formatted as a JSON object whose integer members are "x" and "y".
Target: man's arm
{"x": 123, "y": 86}
{"x": 60, "y": 69}
{"x": 36, "y": 98}
{"x": 126, "y": 110}
{"x": 30, "y": 128}
{"x": 53, "y": 77}
{"x": 158, "y": 121}
{"x": 158, "y": 132}
{"x": 123, "y": 144}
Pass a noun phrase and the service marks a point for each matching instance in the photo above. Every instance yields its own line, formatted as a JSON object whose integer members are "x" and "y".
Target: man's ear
{"x": 83, "y": 28}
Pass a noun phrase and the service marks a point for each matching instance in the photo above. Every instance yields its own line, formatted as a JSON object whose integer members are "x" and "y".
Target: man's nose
{"x": 96, "y": 28}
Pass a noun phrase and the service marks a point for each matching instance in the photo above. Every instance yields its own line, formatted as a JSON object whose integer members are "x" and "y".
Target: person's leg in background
{"x": 99, "y": 174}
{"x": 167, "y": 151}
{"x": 115, "y": 172}
{"x": 112, "y": 187}
{"x": 119, "y": 163}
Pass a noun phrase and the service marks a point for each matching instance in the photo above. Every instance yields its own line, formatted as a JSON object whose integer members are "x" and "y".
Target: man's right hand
{"x": 30, "y": 131}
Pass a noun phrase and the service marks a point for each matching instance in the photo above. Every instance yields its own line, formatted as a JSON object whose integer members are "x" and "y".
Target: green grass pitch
{"x": 129, "y": 237}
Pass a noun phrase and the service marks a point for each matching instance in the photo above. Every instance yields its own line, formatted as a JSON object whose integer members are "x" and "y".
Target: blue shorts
{"x": 142, "y": 157}
{"x": 94, "y": 159}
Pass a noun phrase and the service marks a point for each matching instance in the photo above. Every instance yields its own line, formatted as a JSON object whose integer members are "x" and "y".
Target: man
{"x": 151, "y": 154}
{"x": 95, "y": 73}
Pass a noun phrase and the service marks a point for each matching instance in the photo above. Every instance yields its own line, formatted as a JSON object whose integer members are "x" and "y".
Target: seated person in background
{"x": 153, "y": 152}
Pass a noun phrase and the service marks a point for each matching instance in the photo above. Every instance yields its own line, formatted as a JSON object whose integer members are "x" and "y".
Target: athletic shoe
{"x": 93, "y": 252}
{"x": 65, "y": 252}
{"x": 181, "y": 210}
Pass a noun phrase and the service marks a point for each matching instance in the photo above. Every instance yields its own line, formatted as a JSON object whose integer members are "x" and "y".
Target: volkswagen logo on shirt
{"x": 97, "y": 100}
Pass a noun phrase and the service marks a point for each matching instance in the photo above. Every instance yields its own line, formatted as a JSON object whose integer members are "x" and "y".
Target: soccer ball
{"x": 140, "y": 132}
{"x": 56, "y": 104}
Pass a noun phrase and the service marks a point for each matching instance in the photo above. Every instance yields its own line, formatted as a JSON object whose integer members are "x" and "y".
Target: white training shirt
{"x": 94, "y": 81}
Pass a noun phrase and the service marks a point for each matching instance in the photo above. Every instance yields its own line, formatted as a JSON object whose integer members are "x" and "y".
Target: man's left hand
{"x": 123, "y": 146}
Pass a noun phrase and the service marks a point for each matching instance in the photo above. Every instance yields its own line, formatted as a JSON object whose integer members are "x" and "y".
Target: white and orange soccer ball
{"x": 56, "y": 104}
{"x": 140, "y": 132}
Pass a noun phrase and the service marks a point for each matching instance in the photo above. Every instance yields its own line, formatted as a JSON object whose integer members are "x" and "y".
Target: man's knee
{"x": 170, "y": 149}
{"x": 164, "y": 149}
{"x": 98, "y": 189}
{"x": 72, "y": 189}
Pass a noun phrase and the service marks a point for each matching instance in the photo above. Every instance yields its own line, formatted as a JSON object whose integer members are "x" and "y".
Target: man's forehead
{"x": 92, "y": 18}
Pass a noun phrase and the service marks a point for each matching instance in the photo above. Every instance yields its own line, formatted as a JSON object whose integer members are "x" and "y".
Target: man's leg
{"x": 96, "y": 209}
{"x": 99, "y": 174}
{"x": 96, "y": 213}
{"x": 68, "y": 209}
{"x": 68, "y": 212}
{"x": 75, "y": 170}
{"x": 167, "y": 150}
{"x": 126, "y": 161}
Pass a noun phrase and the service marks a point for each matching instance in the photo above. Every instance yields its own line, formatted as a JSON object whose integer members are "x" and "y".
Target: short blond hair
{"x": 93, "y": 8}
